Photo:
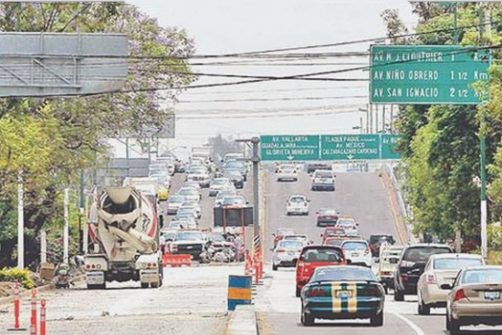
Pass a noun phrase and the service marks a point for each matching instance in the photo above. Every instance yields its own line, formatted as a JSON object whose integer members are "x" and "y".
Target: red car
{"x": 313, "y": 256}
{"x": 332, "y": 232}
{"x": 281, "y": 232}
{"x": 327, "y": 217}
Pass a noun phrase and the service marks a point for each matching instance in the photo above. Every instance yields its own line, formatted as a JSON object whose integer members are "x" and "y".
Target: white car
{"x": 287, "y": 253}
{"x": 323, "y": 180}
{"x": 297, "y": 204}
{"x": 221, "y": 195}
{"x": 218, "y": 184}
{"x": 193, "y": 205}
{"x": 357, "y": 251}
{"x": 441, "y": 269}
{"x": 199, "y": 174}
{"x": 190, "y": 193}
{"x": 174, "y": 203}
{"x": 287, "y": 173}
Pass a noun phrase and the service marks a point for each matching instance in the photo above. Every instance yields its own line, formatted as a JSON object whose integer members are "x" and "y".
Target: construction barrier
{"x": 176, "y": 260}
{"x": 16, "y": 309}
{"x": 33, "y": 323}
{"x": 248, "y": 266}
{"x": 42, "y": 317}
{"x": 239, "y": 291}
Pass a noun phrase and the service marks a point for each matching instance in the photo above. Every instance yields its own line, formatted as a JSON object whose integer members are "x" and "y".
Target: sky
{"x": 279, "y": 106}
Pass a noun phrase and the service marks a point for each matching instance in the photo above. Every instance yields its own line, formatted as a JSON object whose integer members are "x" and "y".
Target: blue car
{"x": 343, "y": 292}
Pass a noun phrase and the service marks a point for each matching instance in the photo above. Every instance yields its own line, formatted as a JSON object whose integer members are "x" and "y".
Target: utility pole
{"x": 43, "y": 246}
{"x": 371, "y": 119}
{"x": 383, "y": 119}
{"x": 81, "y": 211}
{"x": 255, "y": 159}
{"x": 20, "y": 223}
{"x": 66, "y": 224}
{"x": 391, "y": 119}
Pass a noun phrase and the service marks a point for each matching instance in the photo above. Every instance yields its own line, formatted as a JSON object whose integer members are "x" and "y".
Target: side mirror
{"x": 446, "y": 286}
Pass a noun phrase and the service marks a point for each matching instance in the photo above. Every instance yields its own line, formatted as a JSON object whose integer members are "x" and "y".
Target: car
{"x": 158, "y": 167}
{"x": 314, "y": 256}
{"x": 170, "y": 161}
{"x": 193, "y": 184}
{"x": 357, "y": 251}
{"x": 187, "y": 221}
{"x": 190, "y": 193}
{"x": 335, "y": 232}
{"x": 474, "y": 298}
{"x": 217, "y": 184}
{"x": 233, "y": 201}
{"x": 348, "y": 224}
{"x": 221, "y": 195}
{"x": 313, "y": 166}
{"x": 323, "y": 180}
{"x": 286, "y": 253}
{"x": 377, "y": 239}
{"x": 441, "y": 269}
{"x": 287, "y": 173}
{"x": 163, "y": 178}
{"x": 327, "y": 216}
{"x": 280, "y": 233}
{"x": 235, "y": 176}
{"x": 342, "y": 292}
{"x": 411, "y": 266}
{"x": 284, "y": 166}
{"x": 387, "y": 262}
{"x": 199, "y": 174}
{"x": 297, "y": 205}
{"x": 335, "y": 241}
{"x": 174, "y": 203}
{"x": 237, "y": 165}
{"x": 194, "y": 205}
{"x": 189, "y": 242}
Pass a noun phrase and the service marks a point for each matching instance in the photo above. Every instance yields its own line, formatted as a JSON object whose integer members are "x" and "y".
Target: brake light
{"x": 371, "y": 291}
{"x": 459, "y": 295}
{"x": 316, "y": 292}
{"x": 385, "y": 273}
{"x": 280, "y": 250}
{"x": 431, "y": 279}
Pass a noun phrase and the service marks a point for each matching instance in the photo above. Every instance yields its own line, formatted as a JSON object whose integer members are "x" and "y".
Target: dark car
{"x": 327, "y": 217}
{"x": 237, "y": 165}
{"x": 235, "y": 176}
{"x": 411, "y": 266}
{"x": 377, "y": 240}
{"x": 311, "y": 167}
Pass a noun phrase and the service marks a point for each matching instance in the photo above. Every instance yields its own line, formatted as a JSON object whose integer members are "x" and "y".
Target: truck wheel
{"x": 154, "y": 285}
{"x": 102, "y": 286}
{"x": 144, "y": 285}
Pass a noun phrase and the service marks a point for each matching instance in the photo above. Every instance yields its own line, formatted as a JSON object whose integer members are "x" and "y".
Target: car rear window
{"x": 291, "y": 245}
{"x": 351, "y": 246}
{"x": 322, "y": 255}
{"x": 421, "y": 254}
{"x": 297, "y": 199}
{"x": 324, "y": 174}
{"x": 456, "y": 263}
{"x": 492, "y": 276}
{"x": 327, "y": 212}
{"x": 343, "y": 274}
{"x": 345, "y": 223}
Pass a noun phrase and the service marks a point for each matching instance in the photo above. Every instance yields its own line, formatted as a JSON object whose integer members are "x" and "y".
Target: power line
{"x": 276, "y": 99}
{"x": 278, "y": 90}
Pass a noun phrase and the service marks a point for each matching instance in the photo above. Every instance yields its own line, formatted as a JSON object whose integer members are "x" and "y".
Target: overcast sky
{"x": 233, "y": 26}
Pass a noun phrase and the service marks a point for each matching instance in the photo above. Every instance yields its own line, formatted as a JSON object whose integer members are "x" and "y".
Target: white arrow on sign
{"x": 350, "y": 157}
{"x": 290, "y": 157}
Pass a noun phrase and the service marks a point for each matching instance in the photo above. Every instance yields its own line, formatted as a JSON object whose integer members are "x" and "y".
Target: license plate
{"x": 355, "y": 254}
{"x": 492, "y": 295}
{"x": 95, "y": 278}
{"x": 343, "y": 294}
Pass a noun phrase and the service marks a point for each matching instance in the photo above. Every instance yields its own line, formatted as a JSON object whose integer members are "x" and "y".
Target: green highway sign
{"x": 289, "y": 147}
{"x": 350, "y": 147}
{"x": 427, "y": 74}
{"x": 389, "y": 145}
{"x": 329, "y": 147}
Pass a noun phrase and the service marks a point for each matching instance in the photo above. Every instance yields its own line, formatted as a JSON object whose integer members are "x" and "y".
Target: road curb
{"x": 242, "y": 321}
{"x": 401, "y": 228}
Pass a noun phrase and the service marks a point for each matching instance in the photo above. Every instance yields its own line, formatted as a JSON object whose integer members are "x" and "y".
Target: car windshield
{"x": 353, "y": 246}
{"x": 189, "y": 236}
{"x": 343, "y": 274}
{"x": 345, "y": 222}
{"x": 295, "y": 237}
{"x": 291, "y": 245}
{"x": 323, "y": 174}
{"x": 421, "y": 254}
{"x": 322, "y": 255}
{"x": 188, "y": 191}
{"x": 478, "y": 276}
{"x": 327, "y": 212}
{"x": 297, "y": 199}
{"x": 197, "y": 170}
{"x": 176, "y": 199}
{"x": 456, "y": 263}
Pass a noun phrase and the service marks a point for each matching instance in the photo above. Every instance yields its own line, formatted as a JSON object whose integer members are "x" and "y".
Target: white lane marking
{"x": 413, "y": 326}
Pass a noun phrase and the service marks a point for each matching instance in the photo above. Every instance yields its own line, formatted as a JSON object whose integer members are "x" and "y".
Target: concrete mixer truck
{"x": 124, "y": 229}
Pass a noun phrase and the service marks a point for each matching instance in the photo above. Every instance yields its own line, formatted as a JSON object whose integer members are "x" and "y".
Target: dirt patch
{"x": 6, "y": 289}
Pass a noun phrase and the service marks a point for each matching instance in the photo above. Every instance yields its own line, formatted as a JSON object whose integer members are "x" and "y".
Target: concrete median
{"x": 242, "y": 321}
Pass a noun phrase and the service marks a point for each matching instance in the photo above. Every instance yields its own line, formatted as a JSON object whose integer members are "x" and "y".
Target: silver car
{"x": 174, "y": 203}
{"x": 286, "y": 253}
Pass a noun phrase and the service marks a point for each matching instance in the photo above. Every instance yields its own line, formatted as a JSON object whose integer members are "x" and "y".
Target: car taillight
{"x": 316, "y": 292}
{"x": 280, "y": 250}
{"x": 371, "y": 291}
{"x": 431, "y": 279}
{"x": 459, "y": 295}
{"x": 385, "y": 273}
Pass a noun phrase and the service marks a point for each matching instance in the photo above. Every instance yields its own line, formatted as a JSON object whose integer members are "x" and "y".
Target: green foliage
{"x": 12, "y": 275}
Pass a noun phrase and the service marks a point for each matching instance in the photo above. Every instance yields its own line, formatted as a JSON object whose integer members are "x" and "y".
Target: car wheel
{"x": 398, "y": 295}
{"x": 454, "y": 326}
{"x": 307, "y": 320}
{"x": 423, "y": 309}
{"x": 274, "y": 267}
{"x": 154, "y": 285}
{"x": 298, "y": 292}
{"x": 377, "y": 320}
{"x": 386, "y": 289}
